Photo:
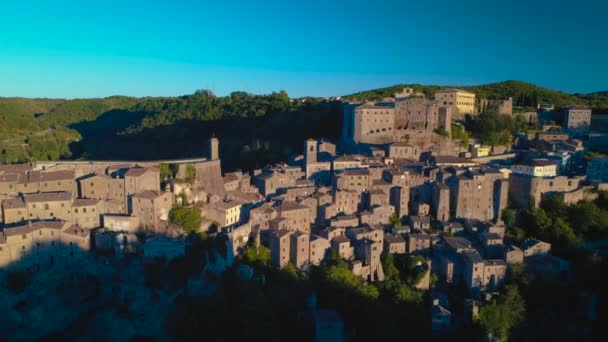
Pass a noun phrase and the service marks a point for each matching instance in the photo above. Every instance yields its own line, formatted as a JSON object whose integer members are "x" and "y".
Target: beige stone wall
{"x": 299, "y": 249}
{"x": 318, "y": 250}
{"x": 280, "y": 248}
{"x": 102, "y": 187}
{"x": 49, "y": 210}
{"x": 43, "y": 247}
{"x": 87, "y": 216}
{"x": 151, "y": 212}
{"x": 298, "y": 219}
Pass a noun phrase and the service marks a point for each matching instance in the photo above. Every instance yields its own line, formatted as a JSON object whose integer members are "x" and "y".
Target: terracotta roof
{"x": 390, "y": 238}
{"x": 13, "y": 203}
{"x": 84, "y": 202}
{"x": 340, "y": 239}
{"x": 225, "y": 205}
{"x": 33, "y": 226}
{"x": 282, "y": 232}
{"x": 48, "y": 197}
{"x": 136, "y": 172}
{"x": 77, "y": 231}
{"x": 288, "y": 205}
{"x": 9, "y": 177}
{"x": 15, "y": 168}
{"x": 356, "y": 172}
{"x": 148, "y": 194}
{"x": 49, "y": 176}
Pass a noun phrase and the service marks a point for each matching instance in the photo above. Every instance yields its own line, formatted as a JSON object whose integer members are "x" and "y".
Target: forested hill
{"x": 523, "y": 94}
{"x": 255, "y": 129}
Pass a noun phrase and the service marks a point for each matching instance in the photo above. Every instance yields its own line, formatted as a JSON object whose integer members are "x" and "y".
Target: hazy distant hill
{"x": 255, "y": 128}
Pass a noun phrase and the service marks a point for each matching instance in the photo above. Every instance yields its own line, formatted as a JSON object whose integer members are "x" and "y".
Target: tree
{"x": 501, "y": 316}
{"x": 395, "y": 220}
{"x": 253, "y": 255}
{"x": 187, "y": 218}
{"x": 165, "y": 172}
{"x": 508, "y": 216}
{"x": 190, "y": 174}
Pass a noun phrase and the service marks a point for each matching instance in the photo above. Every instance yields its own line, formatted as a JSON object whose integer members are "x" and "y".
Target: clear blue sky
{"x": 78, "y": 48}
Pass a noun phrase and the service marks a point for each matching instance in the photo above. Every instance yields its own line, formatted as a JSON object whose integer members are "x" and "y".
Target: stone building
{"x": 577, "y": 121}
{"x": 280, "y": 247}
{"x": 478, "y": 194}
{"x": 416, "y": 114}
{"x": 480, "y": 274}
{"x": 299, "y": 249}
{"x": 513, "y": 255}
{"x": 535, "y": 247}
{"x": 316, "y": 170}
{"x": 394, "y": 244}
{"x": 389, "y": 121}
{"x": 141, "y": 179}
{"x": 298, "y": 217}
{"x": 86, "y": 213}
{"x": 272, "y": 180}
{"x": 440, "y": 208}
{"x": 358, "y": 180}
{"x": 48, "y": 181}
{"x": 461, "y": 101}
{"x": 104, "y": 187}
{"x": 43, "y": 244}
{"x": 399, "y": 198}
{"x": 378, "y": 214}
{"x": 152, "y": 208}
{"x": 14, "y": 210}
{"x": 368, "y": 252}
{"x": 342, "y": 247}
{"x": 224, "y": 213}
{"x": 49, "y": 206}
{"x": 346, "y": 162}
{"x": 418, "y": 242}
{"x": 525, "y": 190}
{"x": 536, "y": 168}
{"x": 496, "y": 106}
{"x": 404, "y": 150}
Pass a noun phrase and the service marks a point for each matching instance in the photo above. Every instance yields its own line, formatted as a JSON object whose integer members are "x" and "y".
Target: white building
{"x": 536, "y": 168}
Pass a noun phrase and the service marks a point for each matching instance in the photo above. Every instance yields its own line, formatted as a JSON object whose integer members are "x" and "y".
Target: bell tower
{"x": 310, "y": 151}
{"x": 213, "y": 148}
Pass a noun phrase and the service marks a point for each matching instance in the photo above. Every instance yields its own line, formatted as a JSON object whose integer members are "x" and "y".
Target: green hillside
{"x": 523, "y": 94}
{"x": 255, "y": 128}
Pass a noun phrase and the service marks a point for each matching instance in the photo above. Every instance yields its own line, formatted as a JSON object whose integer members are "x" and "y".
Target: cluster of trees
{"x": 187, "y": 218}
{"x": 272, "y": 304}
{"x": 502, "y": 315}
{"x": 460, "y": 133}
{"x": 564, "y": 226}
{"x": 204, "y": 106}
{"x": 496, "y": 129}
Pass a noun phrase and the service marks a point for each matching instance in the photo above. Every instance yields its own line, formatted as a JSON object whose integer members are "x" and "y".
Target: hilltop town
{"x": 405, "y": 193}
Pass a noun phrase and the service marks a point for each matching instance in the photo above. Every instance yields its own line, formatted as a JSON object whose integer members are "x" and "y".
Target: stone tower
{"x": 213, "y": 148}
{"x": 310, "y": 150}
